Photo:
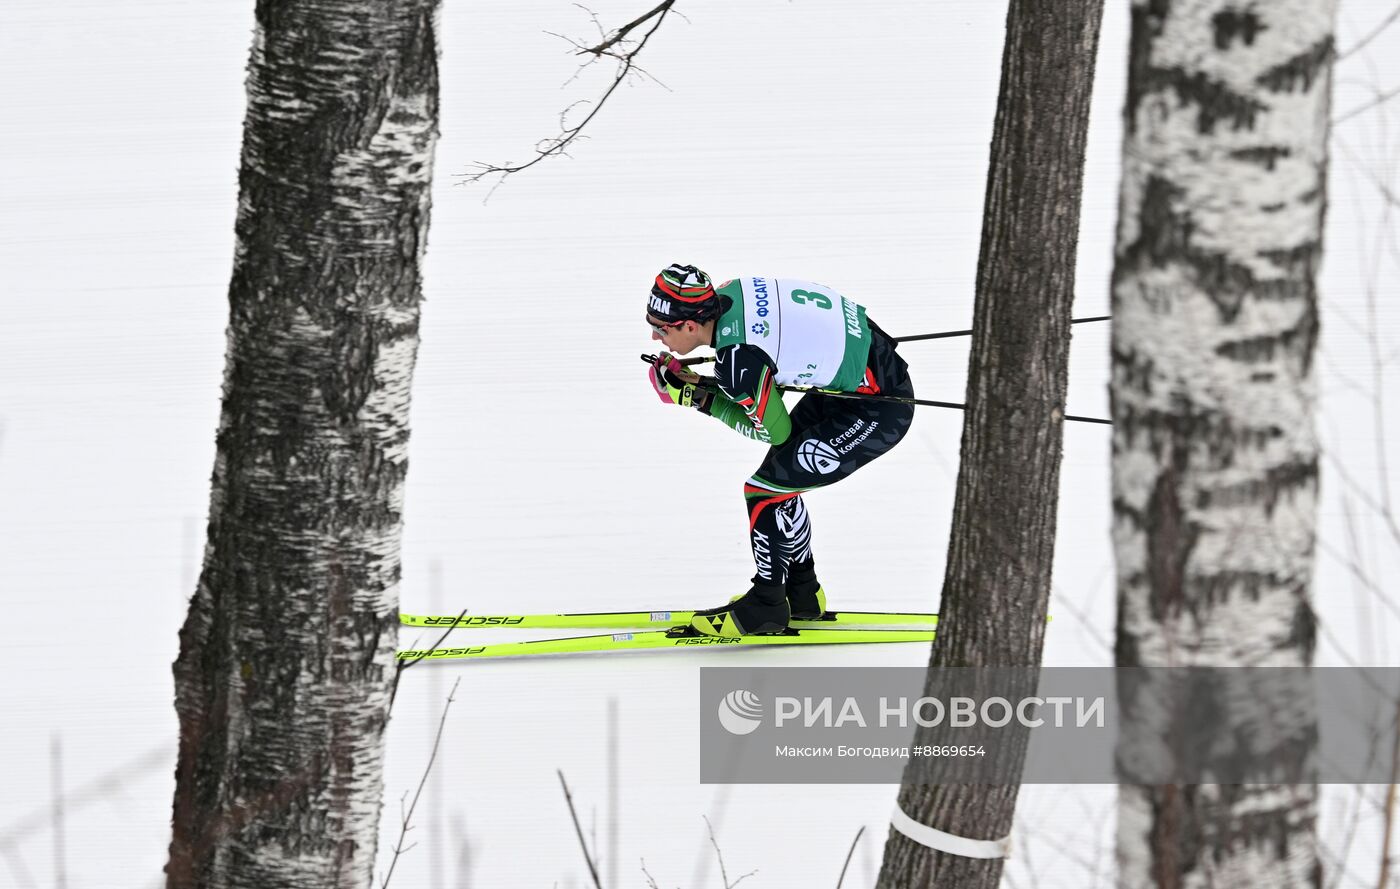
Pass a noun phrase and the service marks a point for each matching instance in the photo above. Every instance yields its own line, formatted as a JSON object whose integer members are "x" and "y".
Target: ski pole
{"x": 909, "y": 339}
{"x": 709, "y": 383}
{"x": 948, "y": 333}
{"x": 834, "y": 393}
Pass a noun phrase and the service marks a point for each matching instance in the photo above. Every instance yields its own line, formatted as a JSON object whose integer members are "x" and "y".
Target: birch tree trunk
{"x": 997, "y": 583}
{"x": 285, "y": 669}
{"x": 1215, "y": 466}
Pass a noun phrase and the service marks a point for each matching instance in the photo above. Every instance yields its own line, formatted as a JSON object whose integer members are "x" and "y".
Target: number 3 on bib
{"x": 820, "y": 300}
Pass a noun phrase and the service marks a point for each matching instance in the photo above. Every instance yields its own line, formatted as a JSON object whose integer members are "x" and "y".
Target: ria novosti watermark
{"x": 930, "y": 712}
{"x": 1028, "y": 725}
{"x": 741, "y": 711}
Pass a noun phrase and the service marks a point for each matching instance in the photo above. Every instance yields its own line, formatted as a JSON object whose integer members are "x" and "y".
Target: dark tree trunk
{"x": 1215, "y": 468}
{"x": 286, "y": 657}
{"x": 997, "y": 583}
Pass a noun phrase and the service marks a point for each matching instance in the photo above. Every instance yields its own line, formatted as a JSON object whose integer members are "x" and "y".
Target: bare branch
{"x": 1080, "y": 614}
{"x": 723, "y": 874}
{"x": 651, "y": 881}
{"x": 1388, "y": 817}
{"x": 400, "y": 666}
{"x": 17, "y": 866}
{"x": 1337, "y": 866}
{"x": 59, "y": 823}
{"x": 568, "y": 798}
{"x": 1386, "y": 23}
{"x": 407, "y": 816}
{"x": 612, "y": 770}
{"x": 1380, "y": 99}
{"x": 109, "y": 788}
{"x": 465, "y": 862}
{"x": 719, "y": 803}
{"x": 620, "y": 33}
{"x": 1375, "y": 496}
{"x": 615, "y": 46}
{"x": 841, "y": 879}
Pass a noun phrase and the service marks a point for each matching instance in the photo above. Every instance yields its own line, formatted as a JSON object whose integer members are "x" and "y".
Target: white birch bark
{"x": 1215, "y": 460}
{"x": 285, "y": 670}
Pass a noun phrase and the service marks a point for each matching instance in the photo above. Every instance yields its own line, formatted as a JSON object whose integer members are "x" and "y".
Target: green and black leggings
{"x": 831, "y": 438}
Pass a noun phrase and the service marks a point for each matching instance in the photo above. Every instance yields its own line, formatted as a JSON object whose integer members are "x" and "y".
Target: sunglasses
{"x": 662, "y": 328}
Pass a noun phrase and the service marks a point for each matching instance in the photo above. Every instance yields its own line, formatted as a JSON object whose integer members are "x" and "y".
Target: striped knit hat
{"x": 683, "y": 293}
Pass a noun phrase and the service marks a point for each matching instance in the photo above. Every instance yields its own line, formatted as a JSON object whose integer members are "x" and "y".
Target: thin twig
{"x": 622, "y": 32}
{"x": 627, "y": 65}
{"x": 1360, "y": 574}
{"x": 568, "y": 798}
{"x": 651, "y": 881}
{"x": 1027, "y": 853}
{"x": 107, "y": 788}
{"x": 1388, "y": 811}
{"x": 1059, "y": 598}
{"x": 614, "y": 809}
{"x": 1387, "y": 195}
{"x": 1377, "y": 496}
{"x": 719, "y": 803}
{"x": 1364, "y": 495}
{"x": 593, "y": 831}
{"x": 60, "y": 855}
{"x": 841, "y": 879}
{"x": 464, "y": 852}
{"x": 1386, "y": 23}
{"x": 400, "y": 666}
{"x": 723, "y": 874}
{"x": 18, "y": 869}
{"x": 1380, "y": 99}
{"x": 1352, "y": 823}
{"x": 1378, "y": 404}
{"x": 407, "y": 817}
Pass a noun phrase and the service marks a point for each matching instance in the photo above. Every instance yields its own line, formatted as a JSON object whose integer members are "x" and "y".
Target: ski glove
{"x": 672, "y": 383}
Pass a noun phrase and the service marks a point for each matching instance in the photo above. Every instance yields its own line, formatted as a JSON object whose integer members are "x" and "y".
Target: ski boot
{"x": 805, "y": 596}
{"x": 762, "y": 610}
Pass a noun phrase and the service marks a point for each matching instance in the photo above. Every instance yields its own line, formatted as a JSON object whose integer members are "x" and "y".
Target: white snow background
{"x": 841, "y": 142}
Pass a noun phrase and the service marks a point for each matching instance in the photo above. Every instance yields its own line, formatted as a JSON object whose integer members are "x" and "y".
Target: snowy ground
{"x": 845, "y": 143}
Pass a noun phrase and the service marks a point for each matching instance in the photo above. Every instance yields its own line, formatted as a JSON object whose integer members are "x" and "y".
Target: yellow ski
{"x": 675, "y": 638}
{"x": 652, "y": 620}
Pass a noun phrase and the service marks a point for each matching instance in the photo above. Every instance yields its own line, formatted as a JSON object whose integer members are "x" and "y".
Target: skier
{"x": 765, "y": 332}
